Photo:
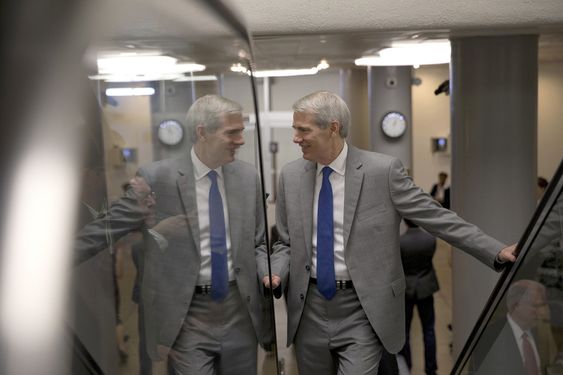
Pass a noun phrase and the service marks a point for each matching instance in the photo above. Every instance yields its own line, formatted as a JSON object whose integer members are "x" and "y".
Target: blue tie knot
{"x": 212, "y": 176}
{"x": 326, "y": 172}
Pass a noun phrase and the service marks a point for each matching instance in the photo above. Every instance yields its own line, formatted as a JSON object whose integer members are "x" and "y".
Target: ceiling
{"x": 297, "y": 34}
{"x": 291, "y": 32}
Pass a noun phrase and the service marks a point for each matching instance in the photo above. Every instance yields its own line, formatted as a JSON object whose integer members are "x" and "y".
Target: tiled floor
{"x": 266, "y": 366}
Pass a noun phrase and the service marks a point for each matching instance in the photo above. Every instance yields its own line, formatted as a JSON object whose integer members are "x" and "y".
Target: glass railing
{"x": 114, "y": 233}
{"x": 521, "y": 328}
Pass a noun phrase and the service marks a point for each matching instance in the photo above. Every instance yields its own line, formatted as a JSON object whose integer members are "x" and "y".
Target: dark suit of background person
{"x": 440, "y": 192}
{"x": 498, "y": 349}
{"x": 348, "y": 332}
{"x": 198, "y": 335}
{"x": 417, "y": 249}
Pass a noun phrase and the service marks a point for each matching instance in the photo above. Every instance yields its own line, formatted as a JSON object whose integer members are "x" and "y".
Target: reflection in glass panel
{"x": 525, "y": 332}
{"x": 170, "y": 246}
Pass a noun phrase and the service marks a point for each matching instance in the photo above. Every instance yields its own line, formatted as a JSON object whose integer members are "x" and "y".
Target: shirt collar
{"x": 339, "y": 164}
{"x": 201, "y": 170}
{"x": 516, "y": 328}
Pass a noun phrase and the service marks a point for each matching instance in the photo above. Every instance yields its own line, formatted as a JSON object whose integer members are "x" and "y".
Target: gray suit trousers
{"x": 216, "y": 337}
{"x": 336, "y": 337}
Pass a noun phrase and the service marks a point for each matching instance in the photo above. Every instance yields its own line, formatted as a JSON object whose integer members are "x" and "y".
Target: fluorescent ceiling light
{"x": 410, "y": 53}
{"x": 130, "y": 91}
{"x": 285, "y": 72}
{"x": 323, "y": 64}
{"x": 196, "y": 78}
{"x": 132, "y": 67}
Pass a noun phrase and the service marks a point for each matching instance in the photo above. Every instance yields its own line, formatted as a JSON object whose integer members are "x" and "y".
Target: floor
{"x": 443, "y": 301}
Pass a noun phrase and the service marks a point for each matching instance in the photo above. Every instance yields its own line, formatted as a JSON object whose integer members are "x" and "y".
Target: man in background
{"x": 417, "y": 249}
{"x": 440, "y": 192}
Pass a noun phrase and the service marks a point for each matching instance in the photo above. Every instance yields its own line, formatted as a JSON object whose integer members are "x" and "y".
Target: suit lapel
{"x": 307, "y": 188}
{"x": 187, "y": 190}
{"x": 352, "y": 186}
{"x": 235, "y": 201}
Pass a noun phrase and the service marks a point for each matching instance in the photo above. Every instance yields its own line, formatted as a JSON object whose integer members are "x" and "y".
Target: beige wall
{"x": 550, "y": 118}
{"x": 430, "y": 119}
{"x": 128, "y": 124}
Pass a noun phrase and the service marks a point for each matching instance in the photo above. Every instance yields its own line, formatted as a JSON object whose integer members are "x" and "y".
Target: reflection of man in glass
{"x": 200, "y": 293}
{"x": 521, "y": 342}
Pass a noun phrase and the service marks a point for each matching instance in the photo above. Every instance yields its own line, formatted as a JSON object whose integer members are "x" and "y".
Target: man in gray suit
{"x": 201, "y": 294}
{"x": 338, "y": 252}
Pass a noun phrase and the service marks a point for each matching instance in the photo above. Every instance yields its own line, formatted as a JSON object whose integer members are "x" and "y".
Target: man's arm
{"x": 124, "y": 216}
{"x": 411, "y": 202}
{"x": 280, "y": 257}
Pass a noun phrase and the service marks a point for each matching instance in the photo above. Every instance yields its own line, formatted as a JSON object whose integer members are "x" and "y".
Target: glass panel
{"x": 521, "y": 331}
{"x": 167, "y": 259}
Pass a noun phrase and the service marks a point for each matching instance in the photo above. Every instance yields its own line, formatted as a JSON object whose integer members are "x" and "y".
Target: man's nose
{"x": 297, "y": 139}
{"x": 239, "y": 141}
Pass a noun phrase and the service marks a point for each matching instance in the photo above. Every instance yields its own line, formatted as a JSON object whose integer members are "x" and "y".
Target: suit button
{"x": 237, "y": 269}
{"x": 302, "y": 296}
{"x": 248, "y": 298}
{"x": 307, "y": 267}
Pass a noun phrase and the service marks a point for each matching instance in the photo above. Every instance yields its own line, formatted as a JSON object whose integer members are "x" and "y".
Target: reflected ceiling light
{"x": 130, "y": 91}
{"x": 238, "y": 68}
{"x": 132, "y": 66}
{"x": 196, "y": 78}
{"x": 410, "y": 53}
{"x": 136, "y": 78}
{"x": 323, "y": 64}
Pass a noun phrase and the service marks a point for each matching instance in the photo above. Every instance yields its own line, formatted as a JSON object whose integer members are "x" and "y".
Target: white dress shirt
{"x": 202, "y": 186}
{"x": 336, "y": 178}
{"x": 517, "y": 331}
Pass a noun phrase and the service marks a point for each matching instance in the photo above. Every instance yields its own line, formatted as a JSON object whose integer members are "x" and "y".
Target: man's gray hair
{"x": 326, "y": 107}
{"x": 520, "y": 290}
{"x": 208, "y": 111}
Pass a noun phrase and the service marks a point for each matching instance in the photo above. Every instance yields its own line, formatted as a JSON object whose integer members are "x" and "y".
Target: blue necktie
{"x": 326, "y": 281}
{"x": 218, "y": 242}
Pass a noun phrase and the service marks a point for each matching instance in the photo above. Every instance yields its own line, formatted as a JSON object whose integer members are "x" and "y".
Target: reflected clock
{"x": 170, "y": 132}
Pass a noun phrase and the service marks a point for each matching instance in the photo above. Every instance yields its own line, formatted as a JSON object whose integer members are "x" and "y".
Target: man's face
{"x": 314, "y": 142}
{"x": 442, "y": 178}
{"x": 531, "y": 309}
{"x": 221, "y": 145}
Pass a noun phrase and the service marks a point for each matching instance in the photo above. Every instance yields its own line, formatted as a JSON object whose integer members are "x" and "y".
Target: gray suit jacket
{"x": 377, "y": 194}
{"x": 170, "y": 273}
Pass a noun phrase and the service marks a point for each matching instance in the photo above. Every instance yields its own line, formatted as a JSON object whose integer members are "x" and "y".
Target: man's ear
{"x": 335, "y": 127}
{"x": 200, "y": 132}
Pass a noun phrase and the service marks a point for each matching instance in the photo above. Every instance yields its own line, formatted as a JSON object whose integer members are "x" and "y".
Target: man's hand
{"x": 276, "y": 280}
{"x": 508, "y": 254}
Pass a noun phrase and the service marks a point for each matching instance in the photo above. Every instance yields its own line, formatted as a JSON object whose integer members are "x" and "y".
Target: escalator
{"x": 520, "y": 331}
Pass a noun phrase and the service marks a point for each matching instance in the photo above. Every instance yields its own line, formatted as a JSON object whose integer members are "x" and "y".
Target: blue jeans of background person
{"x": 425, "y": 309}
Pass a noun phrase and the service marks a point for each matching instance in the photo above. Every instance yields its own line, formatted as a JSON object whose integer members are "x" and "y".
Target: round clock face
{"x": 170, "y": 132}
{"x": 394, "y": 124}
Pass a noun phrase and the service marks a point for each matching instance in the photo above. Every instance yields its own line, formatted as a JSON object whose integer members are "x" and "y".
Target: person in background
{"x": 440, "y": 192}
{"x": 542, "y": 185}
{"x": 520, "y": 342}
{"x": 417, "y": 249}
